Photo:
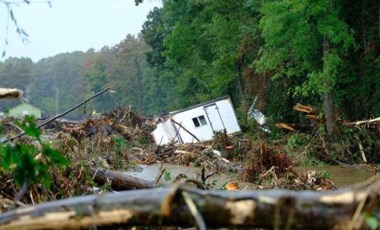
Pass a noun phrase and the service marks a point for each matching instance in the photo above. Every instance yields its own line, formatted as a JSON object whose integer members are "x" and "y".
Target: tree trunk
{"x": 120, "y": 181}
{"x": 329, "y": 110}
{"x": 327, "y": 96}
{"x": 239, "y": 77}
{"x": 182, "y": 206}
{"x": 140, "y": 94}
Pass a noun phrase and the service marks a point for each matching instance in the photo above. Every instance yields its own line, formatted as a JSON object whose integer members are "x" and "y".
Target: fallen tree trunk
{"x": 183, "y": 206}
{"x": 362, "y": 122}
{"x": 119, "y": 181}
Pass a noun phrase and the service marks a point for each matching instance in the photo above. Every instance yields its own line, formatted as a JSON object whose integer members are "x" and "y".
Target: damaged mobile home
{"x": 197, "y": 123}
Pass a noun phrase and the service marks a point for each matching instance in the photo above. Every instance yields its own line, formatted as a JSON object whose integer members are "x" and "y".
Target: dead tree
{"x": 183, "y": 206}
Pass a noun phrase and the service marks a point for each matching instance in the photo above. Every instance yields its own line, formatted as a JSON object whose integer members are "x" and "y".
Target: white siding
{"x": 220, "y": 113}
{"x": 227, "y": 113}
{"x": 164, "y": 133}
{"x": 185, "y": 118}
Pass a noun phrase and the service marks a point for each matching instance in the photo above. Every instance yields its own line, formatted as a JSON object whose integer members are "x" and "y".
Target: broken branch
{"x": 163, "y": 206}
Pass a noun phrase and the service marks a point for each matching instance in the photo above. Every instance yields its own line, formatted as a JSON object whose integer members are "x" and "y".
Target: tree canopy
{"x": 322, "y": 53}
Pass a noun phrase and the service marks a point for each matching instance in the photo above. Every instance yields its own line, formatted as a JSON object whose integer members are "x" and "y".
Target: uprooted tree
{"x": 349, "y": 208}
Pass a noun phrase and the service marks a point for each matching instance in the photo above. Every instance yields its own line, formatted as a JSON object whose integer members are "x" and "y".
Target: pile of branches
{"x": 270, "y": 168}
{"x": 263, "y": 161}
{"x": 73, "y": 181}
{"x": 99, "y": 142}
{"x": 113, "y": 140}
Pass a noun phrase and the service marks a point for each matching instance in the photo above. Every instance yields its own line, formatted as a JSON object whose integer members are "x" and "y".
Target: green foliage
{"x": 135, "y": 82}
{"x": 119, "y": 144}
{"x": 305, "y": 40}
{"x": 167, "y": 176}
{"x": 58, "y": 85}
{"x": 201, "y": 44}
{"x": 29, "y": 126}
{"x": 325, "y": 174}
{"x": 16, "y": 73}
{"x": 297, "y": 140}
{"x": 372, "y": 220}
{"x": 285, "y": 52}
{"x": 23, "y": 160}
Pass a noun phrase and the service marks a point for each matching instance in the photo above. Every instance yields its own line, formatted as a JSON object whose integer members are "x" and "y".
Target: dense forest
{"x": 319, "y": 53}
{"x": 58, "y": 83}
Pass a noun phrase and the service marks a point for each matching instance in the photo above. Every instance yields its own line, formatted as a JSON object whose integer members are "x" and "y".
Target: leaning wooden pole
{"x": 191, "y": 134}
{"x": 59, "y": 115}
{"x": 183, "y": 206}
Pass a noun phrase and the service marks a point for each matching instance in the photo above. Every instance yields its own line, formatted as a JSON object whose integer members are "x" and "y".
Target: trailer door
{"x": 214, "y": 117}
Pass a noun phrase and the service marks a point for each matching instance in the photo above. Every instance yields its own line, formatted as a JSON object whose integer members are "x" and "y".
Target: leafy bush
{"x": 30, "y": 163}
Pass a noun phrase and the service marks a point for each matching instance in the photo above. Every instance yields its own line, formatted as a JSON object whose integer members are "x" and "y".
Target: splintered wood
{"x": 311, "y": 114}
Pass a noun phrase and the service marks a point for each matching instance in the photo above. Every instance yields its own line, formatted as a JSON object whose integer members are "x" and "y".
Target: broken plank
{"x": 284, "y": 126}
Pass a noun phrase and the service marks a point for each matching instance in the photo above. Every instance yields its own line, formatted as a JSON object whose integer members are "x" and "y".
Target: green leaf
{"x": 6, "y": 158}
{"x": 55, "y": 157}
{"x": 372, "y": 221}
{"x": 29, "y": 127}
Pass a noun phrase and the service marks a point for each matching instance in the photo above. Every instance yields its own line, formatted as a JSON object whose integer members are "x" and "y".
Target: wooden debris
{"x": 191, "y": 134}
{"x": 284, "y": 126}
{"x": 58, "y": 115}
{"x": 274, "y": 209}
{"x": 363, "y": 122}
{"x": 119, "y": 181}
{"x": 311, "y": 114}
{"x": 361, "y": 149}
{"x": 303, "y": 108}
{"x": 313, "y": 117}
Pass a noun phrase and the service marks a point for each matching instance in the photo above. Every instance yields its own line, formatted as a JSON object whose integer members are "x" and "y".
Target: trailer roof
{"x": 200, "y": 104}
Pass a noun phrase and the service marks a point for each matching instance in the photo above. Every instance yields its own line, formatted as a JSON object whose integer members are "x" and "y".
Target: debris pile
{"x": 111, "y": 141}
{"x": 310, "y": 180}
{"x": 266, "y": 159}
{"x": 121, "y": 138}
{"x": 311, "y": 114}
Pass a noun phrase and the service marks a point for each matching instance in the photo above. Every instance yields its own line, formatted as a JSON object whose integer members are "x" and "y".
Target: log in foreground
{"x": 278, "y": 209}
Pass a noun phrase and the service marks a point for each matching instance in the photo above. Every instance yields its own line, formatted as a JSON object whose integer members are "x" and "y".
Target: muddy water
{"x": 150, "y": 172}
{"x": 341, "y": 176}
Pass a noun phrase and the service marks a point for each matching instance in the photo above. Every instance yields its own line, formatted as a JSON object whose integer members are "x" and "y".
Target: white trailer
{"x": 198, "y": 122}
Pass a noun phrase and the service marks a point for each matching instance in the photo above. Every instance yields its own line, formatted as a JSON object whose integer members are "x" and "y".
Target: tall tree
{"x": 131, "y": 76}
{"x": 205, "y": 47}
{"x": 306, "y": 39}
{"x": 97, "y": 76}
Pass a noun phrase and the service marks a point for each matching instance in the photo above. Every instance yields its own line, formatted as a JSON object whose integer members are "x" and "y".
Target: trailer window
{"x": 202, "y": 119}
{"x": 196, "y": 122}
{"x": 199, "y": 121}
